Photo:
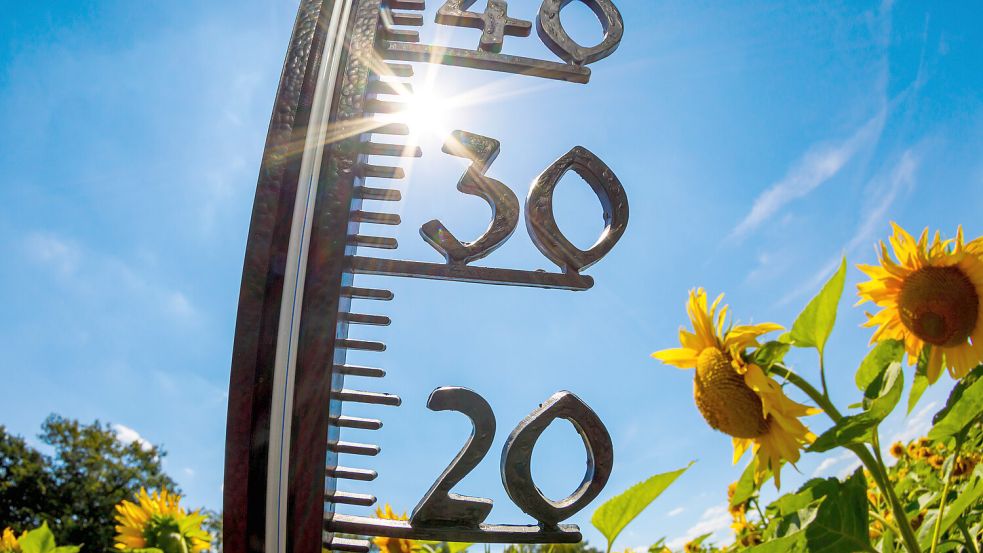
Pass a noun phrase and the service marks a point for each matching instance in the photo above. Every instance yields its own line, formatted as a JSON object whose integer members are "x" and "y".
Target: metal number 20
{"x": 439, "y": 507}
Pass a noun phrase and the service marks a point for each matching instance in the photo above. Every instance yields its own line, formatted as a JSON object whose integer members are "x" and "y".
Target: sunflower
{"x": 930, "y": 298}
{"x": 8, "y": 541}
{"x": 392, "y": 545}
{"x": 159, "y": 521}
{"x": 734, "y": 395}
{"x": 897, "y": 450}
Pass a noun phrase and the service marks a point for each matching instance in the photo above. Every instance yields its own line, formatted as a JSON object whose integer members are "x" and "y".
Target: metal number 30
{"x": 540, "y": 219}
{"x": 440, "y": 507}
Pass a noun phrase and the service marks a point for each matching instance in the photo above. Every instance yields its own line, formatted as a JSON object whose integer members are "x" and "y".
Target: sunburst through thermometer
{"x": 425, "y": 112}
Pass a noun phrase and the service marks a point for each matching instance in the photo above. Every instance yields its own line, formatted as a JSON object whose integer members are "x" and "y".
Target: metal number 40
{"x": 495, "y": 24}
{"x": 441, "y": 508}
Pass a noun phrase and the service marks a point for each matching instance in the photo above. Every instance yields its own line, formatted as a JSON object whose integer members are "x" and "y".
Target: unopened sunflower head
{"x": 8, "y": 541}
{"x": 734, "y": 396}
{"x": 158, "y": 521}
{"x": 392, "y": 545}
{"x": 930, "y": 294}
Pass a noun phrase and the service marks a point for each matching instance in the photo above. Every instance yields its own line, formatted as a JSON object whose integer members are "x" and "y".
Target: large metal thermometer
{"x": 286, "y": 459}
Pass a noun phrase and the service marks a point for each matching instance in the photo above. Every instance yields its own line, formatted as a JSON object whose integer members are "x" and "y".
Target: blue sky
{"x": 757, "y": 142}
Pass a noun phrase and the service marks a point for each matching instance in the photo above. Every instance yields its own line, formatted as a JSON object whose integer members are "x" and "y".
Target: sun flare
{"x": 427, "y": 113}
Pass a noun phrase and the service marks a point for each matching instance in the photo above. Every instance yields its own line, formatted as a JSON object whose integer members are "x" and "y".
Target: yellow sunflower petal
{"x": 680, "y": 357}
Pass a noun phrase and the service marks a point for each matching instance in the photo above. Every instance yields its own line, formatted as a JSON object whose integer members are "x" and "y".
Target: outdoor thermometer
{"x": 290, "y": 450}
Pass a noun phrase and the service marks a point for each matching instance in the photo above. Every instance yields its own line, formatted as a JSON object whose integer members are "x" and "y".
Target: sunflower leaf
{"x": 614, "y": 514}
{"x": 855, "y": 429}
{"x": 791, "y": 542}
{"x": 813, "y": 326}
{"x": 877, "y": 361}
{"x": 39, "y": 540}
{"x": 841, "y": 522}
{"x": 458, "y": 546}
{"x": 965, "y": 405}
{"x": 824, "y": 516}
{"x": 745, "y": 488}
{"x": 770, "y": 353}
{"x": 920, "y": 382}
{"x": 966, "y": 498}
{"x": 883, "y": 394}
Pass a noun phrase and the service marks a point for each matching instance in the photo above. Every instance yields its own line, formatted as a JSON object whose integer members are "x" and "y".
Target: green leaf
{"x": 700, "y": 539}
{"x": 813, "y": 326}
{"x": 920, "y": 383}
{"x": 612, "y": 516}
{"x": 824, "y": 516}
{"x": 965, "y": 404}
{"x": 885, "y": 391}
{"x": 39, "y": 540}
{"x": 793, "y": 543}
{"x": 769, "y": 354}
{"x": 841, "y": 521}
{"x": 458, "y": 547}
{"x": 966, "y": 498}
{"x": 67, "y": 549}
{"x": 745, "y": 484}
{"x": 856, "y": 429}
{"x": 877, "y": 361}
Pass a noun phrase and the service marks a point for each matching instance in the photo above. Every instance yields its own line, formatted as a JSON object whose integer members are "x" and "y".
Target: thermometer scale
{"x": 318, "y": 199}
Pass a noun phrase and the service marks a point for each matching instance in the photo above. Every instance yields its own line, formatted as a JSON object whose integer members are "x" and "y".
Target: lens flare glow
{"x": 426, "y": 114}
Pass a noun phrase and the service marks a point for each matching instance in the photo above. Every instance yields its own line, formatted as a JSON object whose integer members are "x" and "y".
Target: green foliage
{"x": 213, "y": 525}
{"x": 41, "y": 540}
{"x": 76, "y": 488}
{"x": 745, "y": 487}
{"x": 813, "y": 326}
{"x": 965, "y": 405}
{"x": 25, "y": 482}
{"x": 968, "y": 496}
{"x": 838, "y": 522}
{"x": 920, "y": 382}
{"x": 769, "y": 354}
{"x": 877, "y": 361}
{"x": 856, "y": 429}
{"x": 612, "y": 516}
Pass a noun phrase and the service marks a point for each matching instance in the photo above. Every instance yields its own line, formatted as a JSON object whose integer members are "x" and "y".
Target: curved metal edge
{"x": 261, "y": 289}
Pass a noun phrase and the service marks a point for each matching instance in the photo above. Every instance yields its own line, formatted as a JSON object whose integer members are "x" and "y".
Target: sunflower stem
{"x": 822, "y": 373}
{"x": 937, "y": 532}
{"x": 875, "y": 468}
{"x": 757, "y": 507}
{"x": 970, "y": 542}
{"x": 887, "y": 524}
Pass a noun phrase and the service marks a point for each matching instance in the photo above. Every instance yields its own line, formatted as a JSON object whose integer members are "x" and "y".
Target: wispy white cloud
{"x": 127, "y": 435}
{"x": 714, "y": 520}
{"x": 916, "y": 425}
{"x": 849, "y": 469}
{"x": 819, "y": 164}
{"x": 883, "y": 190}
{"x": 675, "y": 512}
{"x": 91, "y": 272}
{"x": 54, "y": 251}
{"x": 824, "y": 468}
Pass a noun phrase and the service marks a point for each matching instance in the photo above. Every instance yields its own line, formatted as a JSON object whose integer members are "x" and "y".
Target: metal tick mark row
{"x": 373, "y": 105}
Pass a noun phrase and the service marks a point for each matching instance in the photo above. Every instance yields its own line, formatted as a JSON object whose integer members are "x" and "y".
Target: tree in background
{"x": 76, "y": 489}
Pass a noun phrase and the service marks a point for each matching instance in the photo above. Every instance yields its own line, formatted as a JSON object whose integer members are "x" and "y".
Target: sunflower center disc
{"x": 940, "y": 305}
{"x": 724, "y": 400}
